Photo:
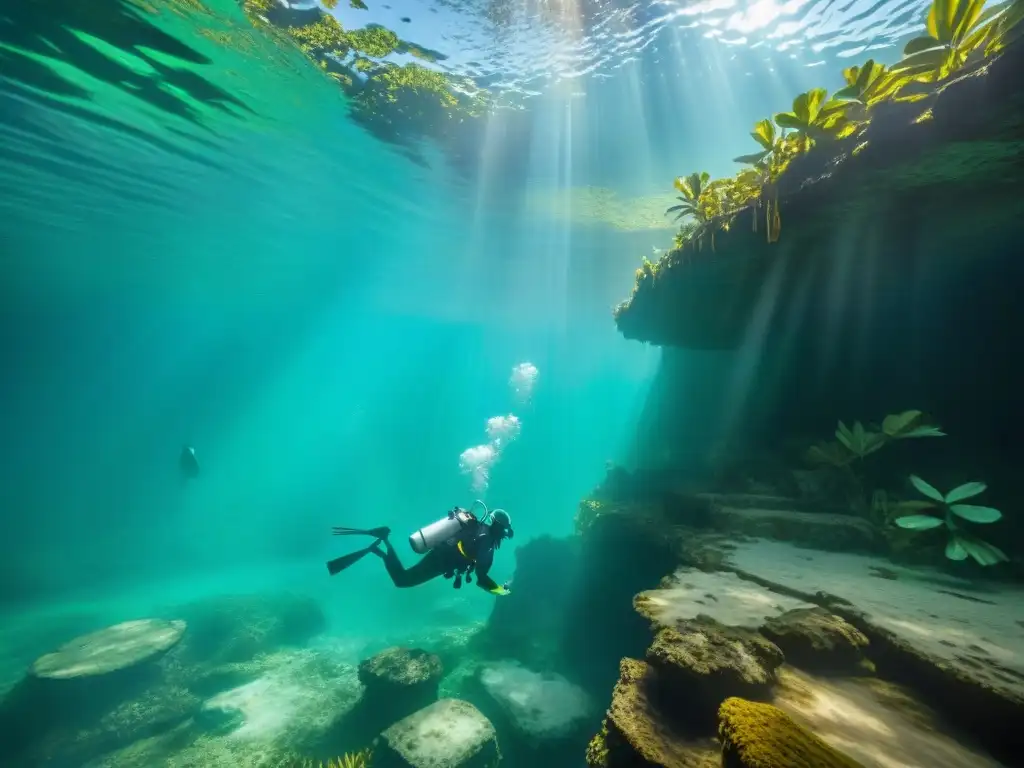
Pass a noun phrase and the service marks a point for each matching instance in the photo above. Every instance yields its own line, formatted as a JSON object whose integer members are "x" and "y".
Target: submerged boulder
{"x": 397, "y": 682}
{"x": 109, "y": 650}
{"x": 637, "y": 733}
{"x": 401, "y": 680}
{"x": 450, "y": 733}
{"x": 95, "y": 694}
{"x": 702, "y": 663}
{"x": 817, "y": 640}
{"x": 757, "y": 735}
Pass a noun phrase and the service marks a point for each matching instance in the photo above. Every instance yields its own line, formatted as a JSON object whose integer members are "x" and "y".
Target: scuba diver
{"x": 458, "y": 545}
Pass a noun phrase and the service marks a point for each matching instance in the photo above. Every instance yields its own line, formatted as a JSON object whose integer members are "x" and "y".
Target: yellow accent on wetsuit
{"x": 463, "y": 552}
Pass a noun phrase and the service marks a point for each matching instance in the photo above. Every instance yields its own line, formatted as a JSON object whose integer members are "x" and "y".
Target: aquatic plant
{"x": 360, "y": 759}
{"x": 961, "y": 544}
{"x": 958, "y": 34}
{"x": 815, "y": 116}
{"x": 853, "y": 445}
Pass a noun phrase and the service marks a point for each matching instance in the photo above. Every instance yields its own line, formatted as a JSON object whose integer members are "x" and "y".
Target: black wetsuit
{"x": 475, "y": 553}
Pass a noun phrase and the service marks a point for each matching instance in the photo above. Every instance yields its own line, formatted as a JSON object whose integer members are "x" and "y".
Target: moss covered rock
{"x": 400, "y": 669}
{"x": 397, "y": 682}
{"x": 817, "y": 640}
{"x": 757, "y": 735}
{"x": 636, "y": 732}
{"x": 703, "y": 663}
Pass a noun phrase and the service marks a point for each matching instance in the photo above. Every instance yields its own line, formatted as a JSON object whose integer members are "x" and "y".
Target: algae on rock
{"x": 817, "y": 640}
{"x": 755, "y": 735}
{"x": 636, "y": 732}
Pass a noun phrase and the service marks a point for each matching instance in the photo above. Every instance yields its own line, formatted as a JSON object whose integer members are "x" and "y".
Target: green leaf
{"x": 965, "y": 491}
{"x": 764, "y": 133}
{"x": 955, "y": 550}
{"x": 919, "y": 44}
{"x": 895, "y": 423}
{"x": 983, "y": 552}
{"x": 752, "y": 159}
{"x": 976, "y": 514}
{"x": 918, "y": 522}
{"x": 806, "y": 106}
{"x": 926, "y": 489}
{"x": 919, "y": 62}
{"x": 789, "y": 120}
{"x": 833, "y": 454}
{"x": 849, "y": 93}
{"x": 923, "y": 431}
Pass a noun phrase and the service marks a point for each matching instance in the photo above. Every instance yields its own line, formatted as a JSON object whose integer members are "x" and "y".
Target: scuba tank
{"x": 448, "y": 527}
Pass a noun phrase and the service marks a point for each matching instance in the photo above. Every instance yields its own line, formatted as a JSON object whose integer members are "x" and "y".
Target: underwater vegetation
{"x": 361, "y": 759}
{"x": 962, "y": 37}
{"x": 399, "y": 103}
{"x": 853, "y": 445}
{"x": 961, "y": 543}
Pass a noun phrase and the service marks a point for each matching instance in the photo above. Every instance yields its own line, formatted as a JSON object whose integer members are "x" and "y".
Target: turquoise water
{"x": 202, "y": 247}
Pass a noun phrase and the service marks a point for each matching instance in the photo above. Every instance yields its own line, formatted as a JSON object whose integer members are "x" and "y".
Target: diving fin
{"x": 378, "y": 533}
{"x": 339, "y": 564}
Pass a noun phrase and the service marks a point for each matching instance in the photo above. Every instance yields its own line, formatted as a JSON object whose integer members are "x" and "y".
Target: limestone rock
{"x": 703, "y": 663}
{"x": 817, "y": 640}
{"x": 720, "y": 595}
{"x": 540, "y": 707}
{"x": 111, "y": 649}
{"x": 399, "y": 669}
{"x": 397, "y": 683}
{"x": 954, "y": 640}
{"x": 757, "y": 735}
{"x": 637, "y": 733}
{"x": 450, "y": 733}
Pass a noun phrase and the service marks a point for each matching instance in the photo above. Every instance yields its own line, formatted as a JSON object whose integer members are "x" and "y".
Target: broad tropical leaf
{"x": 904, "y": 424}
{"x": 858, "y": 440}
{"x": 983, "y": 552}
{"x": 764, "y": 133}
{"x": 930, "y": 491}
{"x": 955, "y": 550}
{"x": 976, "y": 514}
{"x": 833, "y": 454}
{"x": 965, "y": 491}
{"x": 753, "y": 159}
{"x": 918, "y": 522}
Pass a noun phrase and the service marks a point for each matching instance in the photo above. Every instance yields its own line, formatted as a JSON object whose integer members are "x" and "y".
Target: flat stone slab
{"x": 721, "y": 595}
{"x": 970, "y": 627}
{"x": 450, "y": 733}
{"x": 108, "y": 650}
{"x": 821, "y": 530}
{"x": 539, "y": 706}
